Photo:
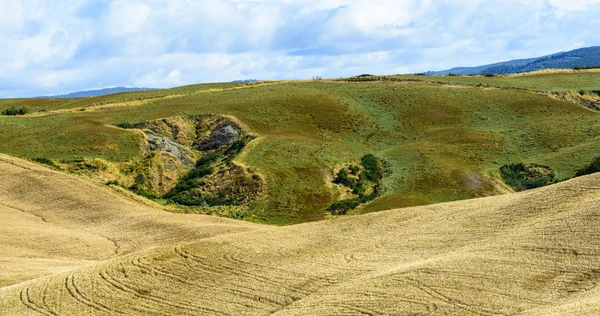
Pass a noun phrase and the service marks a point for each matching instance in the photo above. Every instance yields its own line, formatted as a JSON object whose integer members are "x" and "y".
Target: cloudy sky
{"x": 59, "y": 46}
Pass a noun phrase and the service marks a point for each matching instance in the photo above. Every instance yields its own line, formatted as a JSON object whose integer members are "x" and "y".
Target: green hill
{"x": 433, "y": 142}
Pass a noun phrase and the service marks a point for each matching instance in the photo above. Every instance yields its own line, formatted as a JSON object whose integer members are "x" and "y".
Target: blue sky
{"x": 54, "y": 47}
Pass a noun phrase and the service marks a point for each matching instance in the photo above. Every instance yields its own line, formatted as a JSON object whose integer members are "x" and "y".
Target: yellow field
{"x": 69, "y": 247}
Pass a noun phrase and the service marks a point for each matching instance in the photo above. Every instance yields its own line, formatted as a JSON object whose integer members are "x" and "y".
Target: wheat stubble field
{"x": 73, "y": 248}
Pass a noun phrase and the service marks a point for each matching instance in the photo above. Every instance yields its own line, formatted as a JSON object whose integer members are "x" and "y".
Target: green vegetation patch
{"x": 364, "y": 181}
{"x": 12, "y": 111}
{"x": 213, "y": 180}
{"x": 47, "y": 162}
{"x": 593, "y": 167}
{"x": 522, "y": 177}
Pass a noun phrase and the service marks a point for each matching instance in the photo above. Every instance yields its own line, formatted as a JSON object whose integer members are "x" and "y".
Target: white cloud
{"x": 127, "y": 17}
{"x": 572, "y": 5}
{"x": 58, "y": 46}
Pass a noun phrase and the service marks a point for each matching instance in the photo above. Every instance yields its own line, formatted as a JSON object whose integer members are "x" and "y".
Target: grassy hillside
{"x": 531, "y": 253}
{"x": 550, "y": 81}
{"x": 438, "y": 143}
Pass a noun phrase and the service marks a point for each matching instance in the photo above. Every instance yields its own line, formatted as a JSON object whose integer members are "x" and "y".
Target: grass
{"x": 444, "y": 143}
{"x": 70, "y": 247}
{"x": 551, "y": 81}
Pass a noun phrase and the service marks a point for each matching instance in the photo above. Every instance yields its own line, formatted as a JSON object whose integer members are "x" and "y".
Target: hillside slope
{"x": 584, "y": 57}
{"x": 53, "y": 222}
{"x": 439, "y": 142}
{"x": 535, "y": 253}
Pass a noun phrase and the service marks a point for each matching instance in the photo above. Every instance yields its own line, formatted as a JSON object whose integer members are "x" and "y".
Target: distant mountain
{"x": 96, "y": 93}
{"x": 585, "y": 57}
{"x": 245, "y": 81}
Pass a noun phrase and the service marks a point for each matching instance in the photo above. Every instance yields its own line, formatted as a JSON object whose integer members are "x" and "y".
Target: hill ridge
{"x": 583, "y": 57}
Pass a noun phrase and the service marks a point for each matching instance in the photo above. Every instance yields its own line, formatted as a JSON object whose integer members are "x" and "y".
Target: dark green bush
{"x": 369, "y": 176}
{"x": 208, "y": 159}
{"x": 343, "y": 206}
{"x": 236, "y": 147}
{"x": 45, "y": 161}
{"x": 593, "y": 167}
{"x": 140, "y": 179}
{"x": 360, "y": 188}
{"x": 14, "y": 111}
{"x": 125, "y": 125}
{"x": 522, "y": 177}
{"x": 343, "y": 178}
{"x": 372, "y": 168}
{"x": 146, "y": 194}
{"x": 199, "y": 172}
{"x": 182, "y": 186}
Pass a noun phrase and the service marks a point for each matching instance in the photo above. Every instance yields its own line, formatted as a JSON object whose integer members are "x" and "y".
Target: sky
{"x": 52, "y": 47}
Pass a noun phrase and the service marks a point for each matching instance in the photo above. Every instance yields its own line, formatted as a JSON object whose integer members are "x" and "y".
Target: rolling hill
{"x": 434, "y": 141}
{"x": 74, "y": 248}
{"x": 53, "y": 222}
{"x": 583, "y": 57}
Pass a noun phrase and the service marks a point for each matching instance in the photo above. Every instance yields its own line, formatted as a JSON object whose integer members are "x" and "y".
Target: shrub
{"x": 369, "y": 176}
{"x": 354, "y": 170}
{"x": 208, "y": 159}
{"x": 47, "y": 162}
{"x": 182, "y": 186}
{"x": 372, "y": 168}
{"x": 236, "y": 147}
{"x": 524, "y": 177}
{"x": 125, "y": 125}
{"x": 44, "y": 161}
{"x": 146, "y": 194}
{"x": 343, "y": 206}
{"x": 140, "y": 179}
{"x": 14, "y": 111}
{"x": 343, "y": 178}
{"x": 199, "y": 172}
{"x": 359, "y": 189}
{"x": 593, "y": 167}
